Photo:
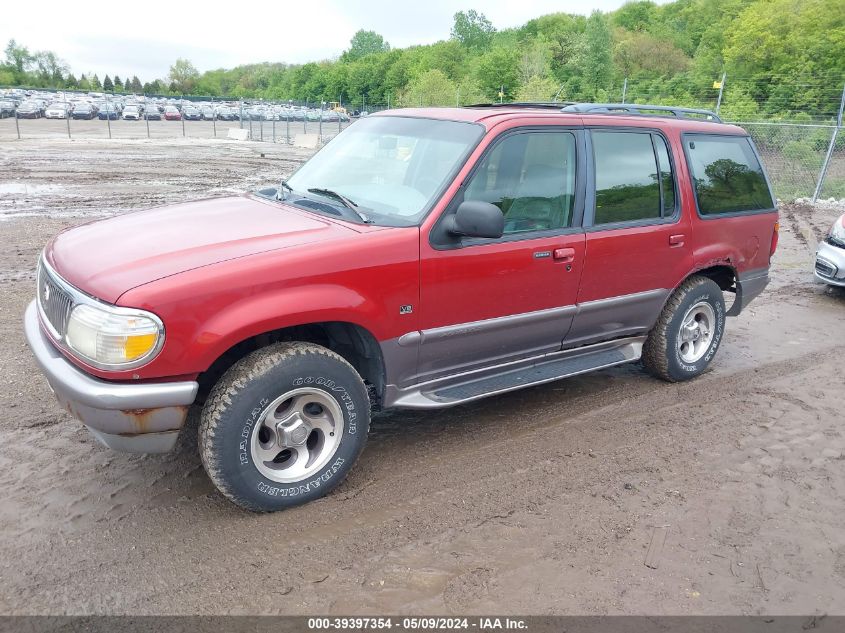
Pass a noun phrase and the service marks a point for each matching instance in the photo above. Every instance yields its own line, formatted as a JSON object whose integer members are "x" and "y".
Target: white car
{"x": 830, "y": 256}
{"x": 58, "y": 110}
{"x": 131, "y": 113}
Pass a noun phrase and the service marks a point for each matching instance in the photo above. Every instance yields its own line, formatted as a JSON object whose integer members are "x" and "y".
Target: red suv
{"x": 422, "y": 259}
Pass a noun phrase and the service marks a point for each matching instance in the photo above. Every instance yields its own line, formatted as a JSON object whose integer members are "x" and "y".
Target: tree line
{"x": 781, "y": 57}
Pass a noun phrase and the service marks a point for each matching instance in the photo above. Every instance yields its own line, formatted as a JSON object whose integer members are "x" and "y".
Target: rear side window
{"x": 634, "y": 179}
{"x": 728, "y": 177}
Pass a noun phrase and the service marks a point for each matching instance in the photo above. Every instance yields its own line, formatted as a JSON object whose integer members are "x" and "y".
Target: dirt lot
{"x": 541, "y": 501}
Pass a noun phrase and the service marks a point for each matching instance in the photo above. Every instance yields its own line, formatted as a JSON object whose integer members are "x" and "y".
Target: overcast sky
{"x": 145, "y": 38}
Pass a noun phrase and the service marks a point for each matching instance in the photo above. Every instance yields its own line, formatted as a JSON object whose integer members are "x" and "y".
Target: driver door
{"x": 491, "y": 301}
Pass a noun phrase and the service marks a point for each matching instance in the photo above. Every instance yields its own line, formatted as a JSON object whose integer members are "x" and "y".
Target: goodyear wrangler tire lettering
{"x": 267, "y": 446}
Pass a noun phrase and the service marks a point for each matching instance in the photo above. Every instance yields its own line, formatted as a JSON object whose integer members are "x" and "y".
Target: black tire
{"x": 234, "y": 409}
{"x": 662, "y": 355}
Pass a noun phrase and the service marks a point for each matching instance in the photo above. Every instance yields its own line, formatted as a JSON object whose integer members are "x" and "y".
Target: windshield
{"x": 390, "y": 167}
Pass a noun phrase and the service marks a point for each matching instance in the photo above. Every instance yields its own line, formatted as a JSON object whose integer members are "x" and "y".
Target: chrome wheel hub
{"x": 697, "y": 331}
{"x": 296, "y": 435}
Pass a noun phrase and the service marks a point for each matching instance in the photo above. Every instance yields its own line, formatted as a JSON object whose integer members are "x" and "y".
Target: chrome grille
{"x": 54, "y": 303}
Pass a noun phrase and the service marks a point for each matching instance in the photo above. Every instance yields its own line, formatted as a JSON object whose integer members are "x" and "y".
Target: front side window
{"x": 530, "y": 176}
{"x": 628, "y": 184}
{"x": 390, "y": 167}
{"x": 727, "y": 175}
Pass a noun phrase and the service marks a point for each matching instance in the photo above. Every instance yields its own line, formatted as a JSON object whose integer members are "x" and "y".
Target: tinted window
{"x": 531, "y": 178}
{"x": 727, "y": 175}
{"x": 626, "y": 177}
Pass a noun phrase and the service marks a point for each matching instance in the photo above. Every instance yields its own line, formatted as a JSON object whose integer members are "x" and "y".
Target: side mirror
{"x": 475, "y": 218}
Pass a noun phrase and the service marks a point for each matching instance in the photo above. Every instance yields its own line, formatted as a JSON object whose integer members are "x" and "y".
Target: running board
{"x": 447, "y": 392}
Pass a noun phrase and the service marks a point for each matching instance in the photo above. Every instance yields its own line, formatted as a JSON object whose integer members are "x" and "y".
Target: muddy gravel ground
{"x": 544, "y": 501}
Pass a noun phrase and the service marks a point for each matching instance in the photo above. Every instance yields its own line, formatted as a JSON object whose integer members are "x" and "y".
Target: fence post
{"x": 17, "y": 125}
{"x": 274, "y": 128}
{"x": 624, "y": 89}
{"x": 830, "y": 147}
{"x": 67, "y": 118}
{"x": 183, "y": 117}
{"x": 320, "y": 127}
{"x": 388, "y": 101}
{"x": 214, "y": 117}
{"x": 108, "y": 115}
{"x": 287, "y": 128}
{"x": 251, "y": 137}
{"x": 147, "y": 118}
{"x": 721, "y": 90}
{"x": 241, "y": 117}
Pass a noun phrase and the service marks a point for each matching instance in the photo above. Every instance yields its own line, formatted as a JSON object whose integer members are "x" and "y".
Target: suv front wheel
{"x": 283, "y": 426}
{"x": 688, "y": 332}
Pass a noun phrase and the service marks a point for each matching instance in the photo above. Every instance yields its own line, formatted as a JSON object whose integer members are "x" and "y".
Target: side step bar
{"x": 452, "y": 390}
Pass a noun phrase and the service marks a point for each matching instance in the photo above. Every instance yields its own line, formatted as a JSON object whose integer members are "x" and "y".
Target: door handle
{"x": 564, "y": 255}
{"x": 676, "y": 240}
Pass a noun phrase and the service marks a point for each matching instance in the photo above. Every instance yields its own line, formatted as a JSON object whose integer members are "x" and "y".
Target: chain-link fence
{"x": 804, "y": 159}
{"x": 794, "y": 156}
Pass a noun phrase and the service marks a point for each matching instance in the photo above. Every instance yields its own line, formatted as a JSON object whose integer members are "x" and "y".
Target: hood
{"x": 106, "y": 258}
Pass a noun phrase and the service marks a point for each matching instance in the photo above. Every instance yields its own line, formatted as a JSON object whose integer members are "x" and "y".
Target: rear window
{"x": 728, "y": 177}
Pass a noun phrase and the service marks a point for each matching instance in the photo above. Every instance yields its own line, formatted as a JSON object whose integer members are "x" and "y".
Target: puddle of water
{"x": 27, "y": 189}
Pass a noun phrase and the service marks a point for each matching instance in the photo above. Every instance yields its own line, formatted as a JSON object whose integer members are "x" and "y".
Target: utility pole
{"x": 721, "y": 90}
{"x": 624, "y": 89}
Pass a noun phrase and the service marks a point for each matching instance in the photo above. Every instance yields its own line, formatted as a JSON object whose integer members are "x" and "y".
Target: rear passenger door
{"x": 637, "y": 238}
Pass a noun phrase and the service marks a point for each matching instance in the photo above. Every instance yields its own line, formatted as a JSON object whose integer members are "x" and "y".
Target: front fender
{"x": 283, "y": 308}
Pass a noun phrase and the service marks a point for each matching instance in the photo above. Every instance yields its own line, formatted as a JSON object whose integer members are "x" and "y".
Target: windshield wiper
{"x": 346, "y": 202}
{"x": 282, "y": 186}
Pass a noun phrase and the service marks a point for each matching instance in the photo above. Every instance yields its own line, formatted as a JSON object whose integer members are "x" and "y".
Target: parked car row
{"x": 60, "y": 105}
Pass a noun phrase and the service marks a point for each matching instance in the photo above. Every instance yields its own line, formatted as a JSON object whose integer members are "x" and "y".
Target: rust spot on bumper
{"x": 140, "y": 418}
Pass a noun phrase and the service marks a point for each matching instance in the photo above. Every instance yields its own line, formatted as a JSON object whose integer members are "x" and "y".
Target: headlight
{"x": 113, "y": 338}
{"x": 837, "y": 231}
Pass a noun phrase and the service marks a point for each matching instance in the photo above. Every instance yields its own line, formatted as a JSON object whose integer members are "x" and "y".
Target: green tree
{"x": 84, "y": 84}
{"x": 184, "y": 75}
{"x": 136, "y": 84}
{"x": 95, "y": 83}
{"x": 127, "y": 85}
{"x": 432, "y": 88}
{"x": 18, "y": 57}
{"x": 537, "y": 88}
{"x": 598, "y": 61}
{"x": 790, "y": 63}
{"x": 118, "y": 83}
{"x": 365, "y": 43}
{"x": 472, "y": 29}
{"x": 71, "y": 81}
{"x": 108, "y": 86}
{"x": 496, "y": 68}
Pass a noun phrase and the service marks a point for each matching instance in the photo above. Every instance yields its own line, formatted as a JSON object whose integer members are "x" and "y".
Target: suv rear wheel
{"x": 283, "y": 426}
{"x": 688, "y": 332}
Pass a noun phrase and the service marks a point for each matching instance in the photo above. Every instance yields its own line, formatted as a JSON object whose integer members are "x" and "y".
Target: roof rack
{"x": 552, "y": 105}
{"x": 642, "y": 110}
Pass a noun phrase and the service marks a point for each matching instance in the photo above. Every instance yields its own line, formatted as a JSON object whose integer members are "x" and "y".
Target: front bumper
{"x": 127, "y": 417}
{"x": 830, "y": 264}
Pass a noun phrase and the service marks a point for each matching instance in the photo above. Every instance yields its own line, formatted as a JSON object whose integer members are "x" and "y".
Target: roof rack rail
{"x": 642, "y": 110}
{"x": 554, "y": 105}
